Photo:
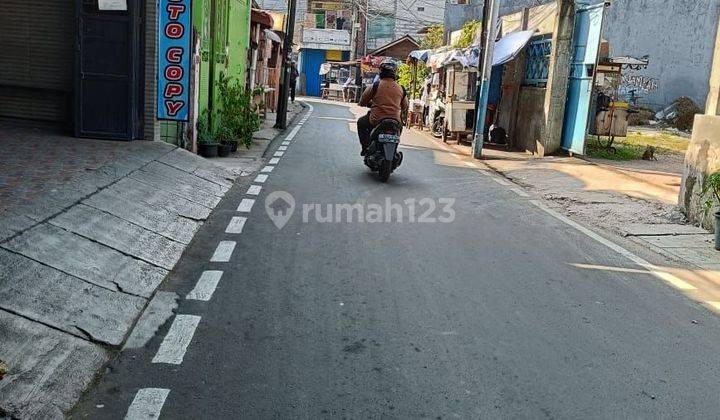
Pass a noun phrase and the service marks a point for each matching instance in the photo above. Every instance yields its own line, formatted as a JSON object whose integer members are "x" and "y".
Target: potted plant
{"x": 207, "y": 146}
{"x": 711, "y": 186}
{"x": 224, "y": 134}
{"x": 237, "y": 111}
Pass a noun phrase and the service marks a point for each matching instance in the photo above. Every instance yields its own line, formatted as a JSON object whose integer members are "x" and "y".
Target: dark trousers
{"x": 292, "y": 90}
{"x": 364, "y": 129}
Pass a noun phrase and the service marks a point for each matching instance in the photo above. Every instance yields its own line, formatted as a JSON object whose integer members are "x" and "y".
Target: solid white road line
{"x": 261, "y": 178}
{"x": 501, "y": 181}
{"x": 279, "y": 154}
{"x": 205, "y": 286}
{"x": 267, "y": 169}
{"x": 519, "y": 192}
{"x": 274, "y": 161}
{"x": 174, "y": 345}
{"x": 470, "y": 164}
{"x": 254, "y": 190}
{"x": 282, "y": 148}
{"x": 285, "y": 143}
{"x": 236, "y": 224}
{"x": 246, "y": 204}
{"x": 147, "y": 404}
{"x": 654, "y": 270}
{"x": 223, "y": 252}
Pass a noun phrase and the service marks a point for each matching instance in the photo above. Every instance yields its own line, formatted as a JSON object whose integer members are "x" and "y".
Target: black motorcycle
{"x": 382, "y": 155}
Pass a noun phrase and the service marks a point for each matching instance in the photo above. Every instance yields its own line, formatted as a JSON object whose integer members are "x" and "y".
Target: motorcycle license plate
{"x": 388, "y": 138}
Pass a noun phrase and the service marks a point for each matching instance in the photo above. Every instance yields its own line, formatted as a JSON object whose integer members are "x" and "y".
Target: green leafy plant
{"x": 238, "y": 114}
{"x": 711, "y": 190}
{"x": 204, "y": 132}
{"x": 405, "y": 76}
{"x": 434, "y": 37}
{"x": 467, "y": 36}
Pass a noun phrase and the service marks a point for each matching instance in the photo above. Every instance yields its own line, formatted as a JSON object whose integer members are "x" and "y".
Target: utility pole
{"x": 490, "y": 15}
{"x": 281, "y": 120}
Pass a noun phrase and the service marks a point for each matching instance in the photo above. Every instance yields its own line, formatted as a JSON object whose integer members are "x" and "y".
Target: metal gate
{"x": 108, "y": 70}
{"x": 586, "y": 42}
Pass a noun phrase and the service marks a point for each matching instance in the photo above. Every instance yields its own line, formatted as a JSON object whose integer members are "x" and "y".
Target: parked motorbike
{"x": 382, "y": 155}
{"x": 438, "y": 120}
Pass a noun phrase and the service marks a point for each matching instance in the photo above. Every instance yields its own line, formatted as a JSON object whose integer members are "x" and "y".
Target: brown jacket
{"x": 389, "y": 101}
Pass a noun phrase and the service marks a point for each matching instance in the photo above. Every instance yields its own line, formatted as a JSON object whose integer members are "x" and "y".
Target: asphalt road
{"x": 503, "y": 312}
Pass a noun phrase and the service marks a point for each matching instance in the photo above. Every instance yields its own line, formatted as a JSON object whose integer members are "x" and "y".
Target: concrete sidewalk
{"x": 88, "y": 231}
{"x": 635, "y": 202}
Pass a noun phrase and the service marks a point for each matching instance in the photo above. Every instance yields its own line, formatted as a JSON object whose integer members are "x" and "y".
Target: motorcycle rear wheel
{"x": 385, "y": 170}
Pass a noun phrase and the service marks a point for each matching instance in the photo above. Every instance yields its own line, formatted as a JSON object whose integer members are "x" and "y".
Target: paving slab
{"x": 155, "y": 218}
{"x": 641, "y": 229}
{"x": 698, "y": 256}
{"x": 122, "y": 235}
{"x": 167, "y": 172}
{"x": 140, "y": 192}
{"x": 12, "y": 223}
{"x": 187, "y": 192}
{"x": 48, "y": 369}
{"x": 158, "y": 311}
{"x": 46, "y": 295}
{"x": 186, "y": 161}
{"x": 88, "y": 260}
{"x": 680, "y": 241}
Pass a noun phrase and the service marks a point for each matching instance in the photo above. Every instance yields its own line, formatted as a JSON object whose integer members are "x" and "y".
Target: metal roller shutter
{"x": 37, "y": 65}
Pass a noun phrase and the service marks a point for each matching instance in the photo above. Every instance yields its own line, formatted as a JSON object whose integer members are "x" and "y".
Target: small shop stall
{"x": 335, "y": 77}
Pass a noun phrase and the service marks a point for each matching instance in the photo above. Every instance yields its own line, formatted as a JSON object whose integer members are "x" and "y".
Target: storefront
{"x": 80, "y": 68}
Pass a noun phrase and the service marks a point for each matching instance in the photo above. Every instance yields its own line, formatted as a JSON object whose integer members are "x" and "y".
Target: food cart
{"x": 460, "y": 88}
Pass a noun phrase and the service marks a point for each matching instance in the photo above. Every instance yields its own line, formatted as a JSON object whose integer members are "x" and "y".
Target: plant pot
{"x": 224, "y": 150}
{"x": 717, "y": 230}
{"x": 233, "y": 146}
{"x": 208, "y": 150}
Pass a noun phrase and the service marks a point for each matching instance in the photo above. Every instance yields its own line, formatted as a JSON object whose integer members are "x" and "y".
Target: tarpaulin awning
{"x": 421, "y": 55}
{"x": 272, "y": 36}
{"x": 508, "y": 47}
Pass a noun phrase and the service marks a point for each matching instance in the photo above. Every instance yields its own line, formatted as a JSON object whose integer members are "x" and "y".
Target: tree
{"x": 434, "y": 37}
{"x": 405, "y": 73}
{"x": 467, "y": 36}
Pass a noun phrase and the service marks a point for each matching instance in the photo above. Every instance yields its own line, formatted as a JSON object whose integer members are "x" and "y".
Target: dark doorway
{"x": 108, "y": 102}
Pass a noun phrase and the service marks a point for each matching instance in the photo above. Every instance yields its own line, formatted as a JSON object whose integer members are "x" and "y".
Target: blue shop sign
{"x": 174, "y": 50}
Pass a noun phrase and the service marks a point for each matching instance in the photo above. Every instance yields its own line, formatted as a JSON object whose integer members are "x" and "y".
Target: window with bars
{"x": 537, "y": 63}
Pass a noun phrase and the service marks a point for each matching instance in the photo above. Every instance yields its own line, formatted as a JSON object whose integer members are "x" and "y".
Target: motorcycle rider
{"x": 385, "y": 98}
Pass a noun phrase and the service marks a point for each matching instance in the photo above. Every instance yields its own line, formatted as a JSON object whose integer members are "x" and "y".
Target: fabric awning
{"x": 261, "y": 18}
{"x": 272, "y": 36}
{"x": 421, "y": 55}
{"x": 508, "y": 47}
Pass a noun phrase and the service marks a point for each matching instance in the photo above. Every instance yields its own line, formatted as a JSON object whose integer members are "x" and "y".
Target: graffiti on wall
{"x": 639, "y": 82}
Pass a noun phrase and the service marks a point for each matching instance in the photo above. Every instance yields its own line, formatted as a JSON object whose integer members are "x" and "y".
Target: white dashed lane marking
{"x": 267, "y": 169}
{"x": 286, "y": 143}
{"x": 236, "y": 224}
{"x": 282, "y": 148}
{"x": 205, "y": 286}
{"x": 148, "y": 404}
{"x": 172, "y": 349}
{"x": 261, "y": 178}
{"x": 246, "y": 205}
{"x": 223, "y": 252}
{"x": 274, "y": 161}
{"x": 279, "y": 154}
{"x": 254, "y": 190}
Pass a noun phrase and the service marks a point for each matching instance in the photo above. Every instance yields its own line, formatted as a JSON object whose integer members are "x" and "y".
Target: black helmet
{"x": 388, "y": 68}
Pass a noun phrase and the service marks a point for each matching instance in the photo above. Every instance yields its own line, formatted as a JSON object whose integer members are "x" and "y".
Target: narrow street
{"x": 488, "y": 306}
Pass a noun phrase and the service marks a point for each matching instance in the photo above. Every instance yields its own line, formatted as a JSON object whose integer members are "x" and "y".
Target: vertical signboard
{"x": 174, "y": 59}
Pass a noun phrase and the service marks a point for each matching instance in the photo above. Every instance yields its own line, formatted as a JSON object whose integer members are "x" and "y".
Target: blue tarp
{"x": 421, "y": 55}
{"x": 508, "y": 47}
